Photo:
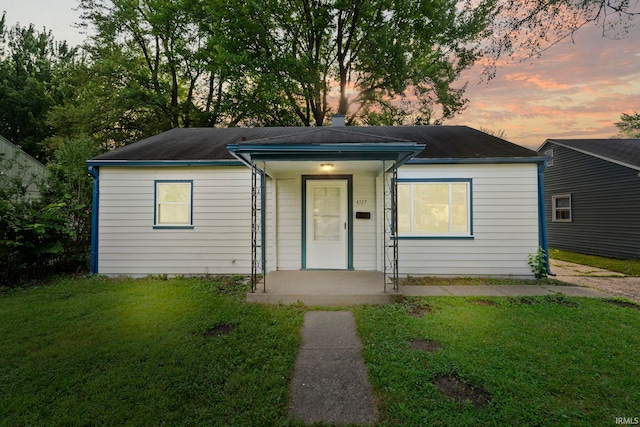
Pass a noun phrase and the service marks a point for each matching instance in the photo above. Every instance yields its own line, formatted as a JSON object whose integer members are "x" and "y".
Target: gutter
{"x": 94, "y": 171}
{"x": 542, "y": 217}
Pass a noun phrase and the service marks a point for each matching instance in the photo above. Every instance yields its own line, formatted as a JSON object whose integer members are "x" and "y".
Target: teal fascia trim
{"x": 349, "y": 179}
{"x": 302, "y": 152}
{"x": 542, "y": 217}
{"x": 435, "y": 237}
{"x": 95, "y": 210}
{"x": 164, "y": 163}
{"x": 486, "y": 160}
{"x": 157, "y": 226}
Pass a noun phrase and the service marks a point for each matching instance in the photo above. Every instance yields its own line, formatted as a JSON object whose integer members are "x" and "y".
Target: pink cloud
{"x": 574, "y": 90}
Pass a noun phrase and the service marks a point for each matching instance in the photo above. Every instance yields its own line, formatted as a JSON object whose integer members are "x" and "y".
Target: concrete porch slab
{"x": 324, "y": 288}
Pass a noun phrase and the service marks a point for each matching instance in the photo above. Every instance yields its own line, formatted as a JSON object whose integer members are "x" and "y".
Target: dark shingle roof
{"x": 621, "y": 151}
{"x": 451, "y": 142}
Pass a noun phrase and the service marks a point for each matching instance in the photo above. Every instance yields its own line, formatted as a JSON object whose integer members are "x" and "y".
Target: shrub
{"x": 538, "y": 263}
{"x": 50, "y": 233}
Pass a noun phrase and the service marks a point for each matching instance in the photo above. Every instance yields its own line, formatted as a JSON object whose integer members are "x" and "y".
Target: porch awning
{"x": 326, "y": 144}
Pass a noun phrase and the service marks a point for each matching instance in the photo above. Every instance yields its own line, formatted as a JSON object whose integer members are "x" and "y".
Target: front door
{"x": 326, "y": 224}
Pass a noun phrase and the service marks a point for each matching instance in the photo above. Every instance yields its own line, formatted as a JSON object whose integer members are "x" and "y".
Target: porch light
{"x": 326, "y": 166}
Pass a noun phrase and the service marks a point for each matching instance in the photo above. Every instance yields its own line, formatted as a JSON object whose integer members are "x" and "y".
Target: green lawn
{"x": 541, "y": 361}
{"x": 624, "y": 266}
{"x": 136, "y": 352}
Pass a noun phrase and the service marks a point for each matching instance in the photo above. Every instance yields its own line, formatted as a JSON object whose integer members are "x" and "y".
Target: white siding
{"x": 289, "y": 223}
{"x": 219, "y": 243}
{"x": 364, "y": 230}
{"x": 505, "y": 224}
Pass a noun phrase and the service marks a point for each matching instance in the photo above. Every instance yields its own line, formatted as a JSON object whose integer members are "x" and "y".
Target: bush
{"x": 50, "y": 233}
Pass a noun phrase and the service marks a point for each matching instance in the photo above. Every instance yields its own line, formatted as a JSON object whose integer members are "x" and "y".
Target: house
{"x": 592, "y": 193}
{"x": 16, "y": 163}
{"x": 412, "y": 200}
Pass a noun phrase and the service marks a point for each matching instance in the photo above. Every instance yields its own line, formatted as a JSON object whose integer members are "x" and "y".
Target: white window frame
{"x": 555, "y": 209}
{"x": 157, "y": 203}
{"x": 448, "y": 235}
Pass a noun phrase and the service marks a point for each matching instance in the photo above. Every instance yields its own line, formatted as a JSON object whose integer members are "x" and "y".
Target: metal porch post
{"x": 257, "y": 229}
{"x": 390, "y": 225}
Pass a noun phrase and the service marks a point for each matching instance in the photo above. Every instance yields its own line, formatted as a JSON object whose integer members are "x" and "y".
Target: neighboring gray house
{"x": 592, "y": 194}
{"x": 223, "y": 201}
{"x": 25, "y": 166}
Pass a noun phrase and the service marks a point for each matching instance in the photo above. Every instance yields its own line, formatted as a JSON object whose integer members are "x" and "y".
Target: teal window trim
{"x": 469, "y": 236}
{"x": 349, "y": 179}
{"x": 157, "y": 226}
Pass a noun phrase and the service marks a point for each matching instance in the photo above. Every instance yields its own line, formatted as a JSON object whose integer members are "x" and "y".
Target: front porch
{"x": 324, "y": 288}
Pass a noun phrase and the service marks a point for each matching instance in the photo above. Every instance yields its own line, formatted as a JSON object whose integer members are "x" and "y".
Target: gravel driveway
{"x": 604, "y": 280}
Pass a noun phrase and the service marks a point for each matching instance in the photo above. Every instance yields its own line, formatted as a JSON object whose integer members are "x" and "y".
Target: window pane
{"x": 562, "y": 202}
{"x": 404, "y": 208}
{"x": 431, "y": 208}
{"x": 173, "y": 214}
{"x": 326, "y": 213}
{"x": 173, "y": 203}
{"x": 459, "y": 208}
{"x": 174, "y": 192}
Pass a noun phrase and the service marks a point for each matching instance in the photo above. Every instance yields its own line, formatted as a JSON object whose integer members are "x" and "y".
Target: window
{"x": 549, "y": 153}
{"x": 434, "y": 208}
{"x": 173, "y": 204}
{"x": 561, "y": 208}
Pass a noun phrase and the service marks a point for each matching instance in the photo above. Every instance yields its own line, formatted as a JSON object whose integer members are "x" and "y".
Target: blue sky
{"x": 577, "y": 89}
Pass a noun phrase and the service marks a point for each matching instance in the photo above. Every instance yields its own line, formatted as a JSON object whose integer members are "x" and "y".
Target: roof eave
{"x": 398, "y": 152}
{"x": 165, "y": 163}
{"x": 479, "y": 160}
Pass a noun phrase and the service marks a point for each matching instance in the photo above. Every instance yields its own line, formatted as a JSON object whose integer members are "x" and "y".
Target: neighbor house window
{"x": 434, "y": 208}
{"x": 173, "y": 203}
{"x": 561, "y": 208}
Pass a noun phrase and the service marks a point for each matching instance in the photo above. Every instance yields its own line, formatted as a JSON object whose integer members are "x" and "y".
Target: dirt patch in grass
{"x": 420, "y": 310}
{"x": 547, "y": 299}
{"x": 220, "y": 330}
{"x": 521, "y": 300}
{"x": 425, "y": 345}
{"x": 484, "y": 302}
{"x": 624, "y": 304}
{"x": 452, "y": 387}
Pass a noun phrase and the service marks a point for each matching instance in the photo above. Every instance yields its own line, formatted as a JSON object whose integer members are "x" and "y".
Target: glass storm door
{"x": 326, "y": 224}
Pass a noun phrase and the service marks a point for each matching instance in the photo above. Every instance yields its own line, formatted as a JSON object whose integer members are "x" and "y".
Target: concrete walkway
{"x": 569, "y": 269}
{"x": 330, "y": 383}
{"x": 609, "y": 282}
{"x": 502, "y": 291}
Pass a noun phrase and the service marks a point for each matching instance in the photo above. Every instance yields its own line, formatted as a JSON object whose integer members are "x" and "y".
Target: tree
{"x": 153, "y": 65}
{"x": 32, "y": 66}
{"x": 529, "y": 28}
{"x": 367, "y": 59}
{"x": 629, "y": 125}
{"x": 158, "y": 64}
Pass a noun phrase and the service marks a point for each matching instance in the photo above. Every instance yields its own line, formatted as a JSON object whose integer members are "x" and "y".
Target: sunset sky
{"x": 574, "y": 90}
